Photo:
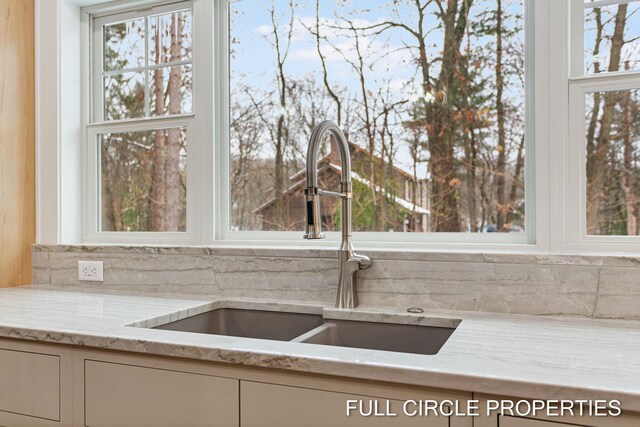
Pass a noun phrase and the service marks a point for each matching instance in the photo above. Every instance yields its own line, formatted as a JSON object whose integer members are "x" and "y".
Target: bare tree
{"x": 282, "y": 133}
{"x": 595, "y": 187}
{"x": 502, "y": 140}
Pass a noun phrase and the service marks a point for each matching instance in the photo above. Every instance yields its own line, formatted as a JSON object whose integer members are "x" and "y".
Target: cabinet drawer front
{"x": 270, "y": 405}
{"x": 30, "y": 384}
{"x": 126, "y": 395}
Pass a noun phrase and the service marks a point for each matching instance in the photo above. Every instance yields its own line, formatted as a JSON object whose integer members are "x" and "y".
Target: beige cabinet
{"x": 144, "y": 393}
{"x": 496, "y": 420}
{"x": 286, "y": 406}
{"x": 44, "y": 385}
{"x": 35, "y": 384}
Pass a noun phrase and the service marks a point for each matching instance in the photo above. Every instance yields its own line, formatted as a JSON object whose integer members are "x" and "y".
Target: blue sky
{"x": 393, "y": 67}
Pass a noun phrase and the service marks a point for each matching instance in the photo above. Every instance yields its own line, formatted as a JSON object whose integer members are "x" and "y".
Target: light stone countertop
{"x": 512, "y": 355}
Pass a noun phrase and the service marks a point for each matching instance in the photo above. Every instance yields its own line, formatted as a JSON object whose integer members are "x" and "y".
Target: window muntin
{"x": 278, "y": 92}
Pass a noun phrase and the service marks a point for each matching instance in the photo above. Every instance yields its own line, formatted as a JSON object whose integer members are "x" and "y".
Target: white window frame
{"x": 575, "y": 237}
{"x": 198, "y": 128}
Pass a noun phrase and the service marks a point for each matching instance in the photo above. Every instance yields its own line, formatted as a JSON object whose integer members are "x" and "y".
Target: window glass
{"x": 143, "y": 179}
{"x": 613, "y": 168}
{"x": 124, "y": 96}
{"x": 430, "y": 95}
{"x": 612, "y": 37}
{"x": 172, "y": 87}
{"x": 124, "y": 45}
{"x": 170, "y": 37}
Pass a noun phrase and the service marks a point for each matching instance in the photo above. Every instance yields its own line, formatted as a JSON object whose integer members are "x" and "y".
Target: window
{"x": 439, "y": 140}
{"x": 605, "y": 122}
{"x": 432, "y": 100}
{"x": 444, "y": 144}
{"x": 141, "y": 137}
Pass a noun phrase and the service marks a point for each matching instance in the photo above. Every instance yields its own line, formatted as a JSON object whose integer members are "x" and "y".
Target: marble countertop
{"x": 512, "y": 355}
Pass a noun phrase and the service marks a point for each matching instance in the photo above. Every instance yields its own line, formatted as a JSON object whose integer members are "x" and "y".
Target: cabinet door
{"x": 626, "y": 419}
{"x": 270, "y": 405}
{"x": 35, "y": 383}
{"x": 125, "y": 395}
{"x": 30, "y": 384}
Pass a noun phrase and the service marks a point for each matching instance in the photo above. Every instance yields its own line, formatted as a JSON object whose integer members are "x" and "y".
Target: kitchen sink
{"x": 269, "y": 325}
{"x": 313, "y": 328}
{"x": 379, "y": 336}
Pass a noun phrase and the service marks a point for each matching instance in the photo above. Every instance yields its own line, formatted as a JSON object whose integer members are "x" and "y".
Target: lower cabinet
{"x": 288, "y": 406}
{"x": 509, "y": 420}
{"x": 44, "y": 385}
{"x": 626, "y": 420}
{"x": 35, "y": 385}
{"x": 129, "y": 395}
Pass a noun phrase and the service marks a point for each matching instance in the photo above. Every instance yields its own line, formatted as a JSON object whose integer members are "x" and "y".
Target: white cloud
{"x": 263, "y": 30}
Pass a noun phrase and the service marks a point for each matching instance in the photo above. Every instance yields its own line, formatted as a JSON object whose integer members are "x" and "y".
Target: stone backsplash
{"x": 554, "y": 285}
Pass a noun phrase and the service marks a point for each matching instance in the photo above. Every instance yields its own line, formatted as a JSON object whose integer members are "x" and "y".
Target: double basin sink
{"x": 315, "y": 329}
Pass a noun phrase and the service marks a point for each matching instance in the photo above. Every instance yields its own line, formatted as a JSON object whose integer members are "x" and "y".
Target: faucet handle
{"x": 363, "y": 261}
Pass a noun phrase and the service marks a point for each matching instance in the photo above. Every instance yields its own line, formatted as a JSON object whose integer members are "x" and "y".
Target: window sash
{"x": 199, "y": 154}
{"x": 92, "y": 194}
{"x": 574, "y": 180}
{"x": 97, "y": 54}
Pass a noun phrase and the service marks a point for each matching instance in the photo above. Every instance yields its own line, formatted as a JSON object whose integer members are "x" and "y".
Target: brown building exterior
{"x": 409, "y": 213}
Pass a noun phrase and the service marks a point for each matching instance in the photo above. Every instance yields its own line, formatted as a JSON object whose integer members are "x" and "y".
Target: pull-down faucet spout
{"x": 350, "y": 262}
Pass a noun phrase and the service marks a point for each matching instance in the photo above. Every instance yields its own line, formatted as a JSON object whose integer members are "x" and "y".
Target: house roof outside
{"x": 334, "y": 154}
{"x": 325, "y": 163}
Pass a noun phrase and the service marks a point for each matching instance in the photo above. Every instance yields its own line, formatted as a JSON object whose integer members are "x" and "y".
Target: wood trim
{"x": 17, "y": 141}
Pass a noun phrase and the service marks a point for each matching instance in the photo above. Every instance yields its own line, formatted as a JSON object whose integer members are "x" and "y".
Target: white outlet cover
{"x": 90, "y": 271}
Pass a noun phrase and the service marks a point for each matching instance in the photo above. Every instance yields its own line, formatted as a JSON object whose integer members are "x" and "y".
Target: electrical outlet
{"x": 90, "y": 271}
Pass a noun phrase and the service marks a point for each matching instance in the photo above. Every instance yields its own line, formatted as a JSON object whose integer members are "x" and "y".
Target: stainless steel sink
{"x": 313, "y": 328}
{"x": 379, "y": 336}
{"x": 270, "y": 325}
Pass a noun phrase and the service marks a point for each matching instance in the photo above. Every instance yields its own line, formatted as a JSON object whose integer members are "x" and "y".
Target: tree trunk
{"x": 281, "y": 137}
{"x": 516, "y": 179}
{"x": 172, "y": 164}
{"x": 591, "y": 128}
{"x": 158, "y": 183}
{"x": 503, "y": 208}
{"x": 325, "y": 77}
{"x": 629, "y": 180}
{"x": 595, "y": 188}
{"x": 444, "y": 195}
{"x": 469, "y": 142}
{"x": 279, "y": 168}
{"x": 108, "y": 219}
{"x": 471, "y": 159}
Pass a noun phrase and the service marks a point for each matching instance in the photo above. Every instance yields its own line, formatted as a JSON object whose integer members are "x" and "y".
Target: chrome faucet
{"x": 350, "y": 262}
